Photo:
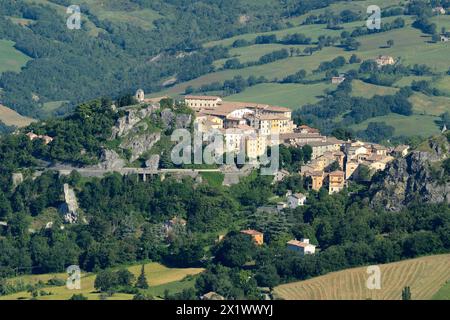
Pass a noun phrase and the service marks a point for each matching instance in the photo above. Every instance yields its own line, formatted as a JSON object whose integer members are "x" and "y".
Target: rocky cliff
{"x": 419, "y": 176}
{"x": 70, "y": 206}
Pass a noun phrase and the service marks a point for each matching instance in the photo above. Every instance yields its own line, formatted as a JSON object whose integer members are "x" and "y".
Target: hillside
{"x": 131, "y": 44}
{"x": 12, "y": 118}
{"x": 160, "y": 278}
{"x": 411, "y": 47}
{"x": 426, "y": 276}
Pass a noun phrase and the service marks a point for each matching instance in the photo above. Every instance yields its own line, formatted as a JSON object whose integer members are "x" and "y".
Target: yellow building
{"x": 269, "y": 124}
{"x": 336, "y": 181}
{"x": 202, "y": 102}
{"x": 256, "y": 146}
{"x": 317, "y": 178}
{"x": 350, "y": 168}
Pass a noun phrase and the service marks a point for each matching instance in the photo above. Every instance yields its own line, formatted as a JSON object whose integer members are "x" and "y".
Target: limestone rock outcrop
{"x": 70, "y": 206}
{"x": 125, "y": 124}
{"x": 110, "y": 160}
{"x": 140, "y": 144}
{"x": 419, "y": 176}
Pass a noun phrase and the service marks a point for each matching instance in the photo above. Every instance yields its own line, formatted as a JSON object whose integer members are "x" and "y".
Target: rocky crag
{"x": 70, "y": 206}
{"x": 420, "y": 176}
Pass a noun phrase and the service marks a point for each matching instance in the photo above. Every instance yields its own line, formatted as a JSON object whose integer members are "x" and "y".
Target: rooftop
{"x": 337, "y": 173}
{"x": 298, "y": 243}
{"x": 190, "y": 97}
{"x": 252, "y": 232}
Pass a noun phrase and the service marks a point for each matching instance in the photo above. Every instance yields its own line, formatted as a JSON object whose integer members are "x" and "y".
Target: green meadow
{"x": 10, "y": 58}
{"x": 414, "y": 125}
{"x": 160, "y": 278}
{"x": 291, "y": 95}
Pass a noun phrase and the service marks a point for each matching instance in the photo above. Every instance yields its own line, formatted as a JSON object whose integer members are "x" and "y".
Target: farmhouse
{"x": 302, "y": 247}
{"x": 337, "y": 80}
{"x": 439, "y": 10}
{"x": 33, "y": 136}
{"x": 258, "y": 237}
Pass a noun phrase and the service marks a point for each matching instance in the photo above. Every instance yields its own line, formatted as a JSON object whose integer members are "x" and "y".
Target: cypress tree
{"x": 142, "y": 280}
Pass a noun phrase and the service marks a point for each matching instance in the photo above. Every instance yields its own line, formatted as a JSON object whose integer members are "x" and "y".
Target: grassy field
{"x": 425, "y": 276}
{"x": 414, "y": 125}
{"x": 359, "y": 6}
{"x": 429, "y": 105}
{"x": 159, "y": 277}
{"x": 10, "y": 58}
{"x": 12, "y": 118}
{"x": 410, "y": 47}
{"x": 109, "y": 10}
{"x": 443, "y": 293}
{"x": 367, "y": 90}
{"x": 290, "y": 95}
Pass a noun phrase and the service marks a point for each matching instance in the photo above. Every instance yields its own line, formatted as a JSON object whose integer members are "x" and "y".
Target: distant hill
{"x": 425, "y": 276}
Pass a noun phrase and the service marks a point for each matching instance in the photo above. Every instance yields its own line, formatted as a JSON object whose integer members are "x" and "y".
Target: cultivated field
{"x": 159, "y": 277}
{"x": 425, "y": 276}
{"x": 12, "y": 118}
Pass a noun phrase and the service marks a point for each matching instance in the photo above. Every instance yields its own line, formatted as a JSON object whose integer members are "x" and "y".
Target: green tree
{"x": 106, "y": 281}
{"x": 125, "y": 277}
{"x": 406, "y": 293}
{"x": 77, "y": 297}
{"x": 235, "y": 250}
{"x": 267, "y": 276}
{"x": 142, "y": 279}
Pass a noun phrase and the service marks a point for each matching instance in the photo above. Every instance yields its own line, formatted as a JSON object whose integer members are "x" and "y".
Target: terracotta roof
{"x": 272, "y": 117}
{"x": 299, "y": 243}
{"x": 336, "y": 173}
{"x": 316, "y": 173}
{"x": 252, "y": 232}
{"x": 298, "y": 135}
{"x": 299, "y": 195}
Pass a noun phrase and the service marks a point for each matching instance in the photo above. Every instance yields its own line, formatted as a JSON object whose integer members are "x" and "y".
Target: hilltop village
{"x": 249, "y": 126}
